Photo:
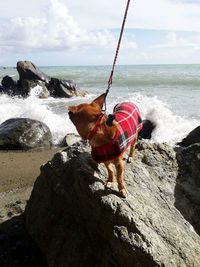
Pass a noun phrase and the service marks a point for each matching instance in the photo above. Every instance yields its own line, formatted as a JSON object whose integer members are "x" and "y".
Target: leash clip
{"x": 110, "y": 120}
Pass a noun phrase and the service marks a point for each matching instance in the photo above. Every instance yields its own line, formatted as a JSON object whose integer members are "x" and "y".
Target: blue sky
{"x": 77, "y": 32}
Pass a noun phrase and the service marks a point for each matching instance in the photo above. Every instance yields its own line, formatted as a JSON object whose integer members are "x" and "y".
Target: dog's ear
{"x": 100, "y": 100}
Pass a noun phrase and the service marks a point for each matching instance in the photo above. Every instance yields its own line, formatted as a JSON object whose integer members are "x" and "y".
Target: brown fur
{"x": 84, "y": 117}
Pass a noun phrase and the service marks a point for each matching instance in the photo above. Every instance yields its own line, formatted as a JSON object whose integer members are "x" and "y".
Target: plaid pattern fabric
{"x": 129, "y": 124}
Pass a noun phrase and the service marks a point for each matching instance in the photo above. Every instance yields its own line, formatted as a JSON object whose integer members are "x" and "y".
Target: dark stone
{"x": 192, "y": 138}
{"x": 24, "y": 134}
{"x": 30, "y": 86}
{"x": 1, "y": 89}
{"x": 17, "y": 248}
{"x": 31, "y": 76}
{"x": 9, "y": 86}
{"x": 8, "y": 82}
{"x": 28, "y": 71}
{"x": 76, "y": 222}
{"x": 63, "y": 88}
{"x": 147, "y": 129}
{"x": 69, "y": 84}
{"x": 187, "y": 189}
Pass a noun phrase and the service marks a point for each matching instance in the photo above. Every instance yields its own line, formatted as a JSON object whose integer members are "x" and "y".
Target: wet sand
{"x": 20, "y": 169}
{"x": 18, "y": 172}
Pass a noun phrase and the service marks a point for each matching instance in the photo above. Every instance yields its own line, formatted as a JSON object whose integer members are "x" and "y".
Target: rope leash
{"x": 116, "y": 53}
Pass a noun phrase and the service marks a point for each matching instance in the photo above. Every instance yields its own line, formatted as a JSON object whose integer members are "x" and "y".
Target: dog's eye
{"x": 70, "y": 113}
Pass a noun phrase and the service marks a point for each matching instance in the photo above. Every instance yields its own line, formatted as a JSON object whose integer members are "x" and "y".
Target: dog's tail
{"x": 147, "y": 129}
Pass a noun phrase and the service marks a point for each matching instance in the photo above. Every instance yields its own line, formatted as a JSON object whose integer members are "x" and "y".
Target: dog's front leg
{"x": 111, "y": 175}
{"x": 119, "y": 164}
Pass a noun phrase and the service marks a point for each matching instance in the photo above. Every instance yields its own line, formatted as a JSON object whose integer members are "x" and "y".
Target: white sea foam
{"x": 38, "y": 109}
{"x": 53, "y": 112}
{"x": 175, "y": 110}
{"x": 36, "y": 91}
{"x": 170, "y": 127}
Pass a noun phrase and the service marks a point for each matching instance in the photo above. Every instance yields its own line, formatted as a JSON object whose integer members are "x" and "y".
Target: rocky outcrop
{"x": 9, "y": 86}
{"x": 28, "y": 71}
{"x": 24, "y": 134}
{"x": 77, "y": 223}
{"x": 30, "y": 76}
{"x": 1, "y": 89}
{"x": 8, "y": 82}
{"x": 147, "y": 129}
{"x": 37, "y": 88}
{"x": 192, "y": 138}
{"x": 187, "y": 188}
{"x": 63, "y": 88}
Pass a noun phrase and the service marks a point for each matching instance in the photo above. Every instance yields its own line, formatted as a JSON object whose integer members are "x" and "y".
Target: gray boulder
{"x": 30, "y": 76}
{"x": 1, "y": 89}
{"x": 63, "y": 88}
{"x": 35, "y": 87}
{"x": 8, "y": 82}
{"x": 24, "y": 134}
{"x": 192, "y": 138}
{"x": 187, "y": 190}
{"x": 77, "y": 223}
{"x": 28, "y": 71}
{"x": 9, "y": 86}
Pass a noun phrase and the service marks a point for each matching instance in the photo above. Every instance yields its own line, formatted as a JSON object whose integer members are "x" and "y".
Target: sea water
{"x": 169, "y": 95}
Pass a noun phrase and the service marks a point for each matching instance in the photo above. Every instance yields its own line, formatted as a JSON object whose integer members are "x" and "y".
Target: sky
{"x": 77, "y": 32}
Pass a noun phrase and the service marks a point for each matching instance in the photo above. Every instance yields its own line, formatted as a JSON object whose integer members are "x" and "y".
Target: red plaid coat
{"x": 129, "y": 124}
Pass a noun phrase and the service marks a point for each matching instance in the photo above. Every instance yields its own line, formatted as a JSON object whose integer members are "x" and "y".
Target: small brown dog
{"x": 109, "y": 136}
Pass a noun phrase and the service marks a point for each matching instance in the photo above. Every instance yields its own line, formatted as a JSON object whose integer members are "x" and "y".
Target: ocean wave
{"x": 170, "y": 127}
{"x": 38, "y": 109}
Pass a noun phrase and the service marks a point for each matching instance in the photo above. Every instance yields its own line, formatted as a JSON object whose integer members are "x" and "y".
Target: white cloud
{"x": 174, "y": 41}
{"x": 55, "y": 31}
{"x": 88, "y": 31}
{"x": 172, "y": 15}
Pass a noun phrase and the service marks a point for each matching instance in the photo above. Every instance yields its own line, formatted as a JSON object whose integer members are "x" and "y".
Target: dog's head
{"x": 84, "y": 115}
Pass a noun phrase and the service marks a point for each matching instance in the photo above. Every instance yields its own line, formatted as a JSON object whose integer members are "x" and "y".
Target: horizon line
{"x": 101, "y": 65}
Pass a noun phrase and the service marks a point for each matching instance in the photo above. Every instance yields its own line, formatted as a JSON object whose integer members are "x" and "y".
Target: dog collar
{"x": 96, "y": 126}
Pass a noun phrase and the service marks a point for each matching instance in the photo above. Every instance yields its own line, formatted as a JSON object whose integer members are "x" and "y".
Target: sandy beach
{"x": 19, "y": 169}
{"x": 18, "y": 172}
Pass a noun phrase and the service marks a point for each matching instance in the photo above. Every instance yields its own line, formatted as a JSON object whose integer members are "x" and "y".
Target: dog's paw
{"x": 108, "y": 185}
{"x": 129, "y": 160}
{"x": 123, "y": 193}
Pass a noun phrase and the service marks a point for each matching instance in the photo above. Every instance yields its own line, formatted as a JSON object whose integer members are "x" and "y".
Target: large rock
{"x": 8, "y": 82}
{"x": 9, "y": 86}
{"x": 77, "y": 223}
{"x": 28, "y": 71}
{"x": 63, "y": 88}
{"x": 32, "y": 79}
{"x": 1, "y": 89}
{"x": 35, "y": 87}
{"x": 192, "y": 138}
{"x": 23, "y": 134}
{"x": 187, "y": 189}
{"x": 147, "y": 129}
